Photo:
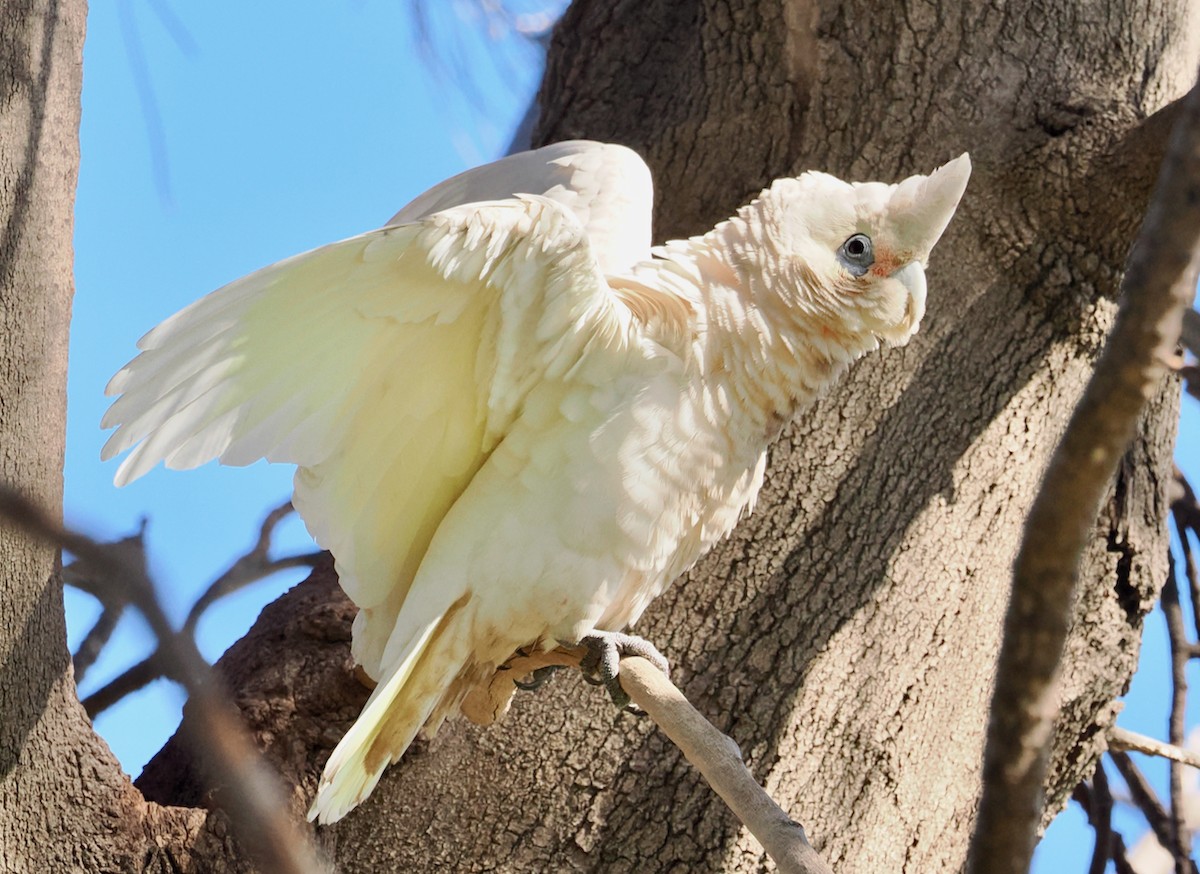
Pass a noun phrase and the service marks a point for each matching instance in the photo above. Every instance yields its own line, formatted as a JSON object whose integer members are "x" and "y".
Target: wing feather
{"x": 606, "y": 186}
{"x": 385, "y": 366}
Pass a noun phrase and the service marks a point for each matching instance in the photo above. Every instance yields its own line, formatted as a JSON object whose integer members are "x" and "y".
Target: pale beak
{"x": 921, "y": 206}
{"x": 912, "y": 276}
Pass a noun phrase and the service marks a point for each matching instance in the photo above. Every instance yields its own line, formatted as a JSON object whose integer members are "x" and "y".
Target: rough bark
{"x": 846, "y": 635}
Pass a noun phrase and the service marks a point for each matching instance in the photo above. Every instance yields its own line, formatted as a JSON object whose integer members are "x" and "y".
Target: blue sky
{"x": 268, "y": 134}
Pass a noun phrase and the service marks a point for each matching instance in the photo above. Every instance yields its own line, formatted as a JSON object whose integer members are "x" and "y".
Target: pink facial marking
{"x": 885, "y": 263}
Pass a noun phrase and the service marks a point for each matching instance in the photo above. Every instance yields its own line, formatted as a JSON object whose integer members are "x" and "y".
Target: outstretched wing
{"x": 606, "y": 186}
{"x": 386, "y": 366}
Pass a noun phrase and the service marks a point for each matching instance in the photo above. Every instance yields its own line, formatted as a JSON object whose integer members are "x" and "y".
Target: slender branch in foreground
{"x": 127, "y": 682}
{"x": 718, "y": 758}
{"x": 1097, "y": 803}
{"x": 95, "y": 640}
{"x": 255, "y": 565}
{"x": 1100, "y": 815}
{"x": 1158, "y": 285}
{"x": 1143, "y": 797}
{"x": 1123, "y": 740}
{"x": 1180, "y": 845}
{"x": 713, "y": 754}
{"x": 1102, "y": 805}
{"x": 78, "y": 575}
{"x": 1185, "y": 512}
{"x": 254, "y": 801}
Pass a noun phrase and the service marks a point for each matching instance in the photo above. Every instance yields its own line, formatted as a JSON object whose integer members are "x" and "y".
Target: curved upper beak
{"x": 921, "y": 206}
{"x": 912, "y": 276}
{"x": 918, "y": 211}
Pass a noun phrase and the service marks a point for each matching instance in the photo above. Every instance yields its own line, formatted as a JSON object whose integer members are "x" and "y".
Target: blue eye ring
{"x": 857, "y": 254}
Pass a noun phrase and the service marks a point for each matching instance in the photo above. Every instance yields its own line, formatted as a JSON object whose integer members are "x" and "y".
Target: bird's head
{"x": 852, "y": 256}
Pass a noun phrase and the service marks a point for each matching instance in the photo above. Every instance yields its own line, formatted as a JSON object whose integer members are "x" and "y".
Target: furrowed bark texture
{"x": 846, "y": 635}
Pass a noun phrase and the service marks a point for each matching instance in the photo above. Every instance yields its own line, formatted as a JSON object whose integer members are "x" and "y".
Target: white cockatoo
{"x": 514, "y": 423}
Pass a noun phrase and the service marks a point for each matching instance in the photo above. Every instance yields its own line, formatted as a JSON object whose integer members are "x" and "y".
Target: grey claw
{"x": 540, "y": 677}
{"x": 618, "y": 695}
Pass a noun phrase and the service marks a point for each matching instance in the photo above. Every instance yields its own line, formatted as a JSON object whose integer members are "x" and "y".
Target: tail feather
{"x": 392, "y": 716}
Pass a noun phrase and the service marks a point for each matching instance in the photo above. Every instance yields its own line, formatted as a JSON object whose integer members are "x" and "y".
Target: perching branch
{"x": 254, "y": 801}
{"x": 719, "y": 760}
{"x": 712, "y": 753}
{"x": 1158, "y": 286}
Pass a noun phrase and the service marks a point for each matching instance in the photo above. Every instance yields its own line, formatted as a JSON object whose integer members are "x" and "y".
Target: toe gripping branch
{"x": 597, "y": 655}
{"x": 601, "y": 663}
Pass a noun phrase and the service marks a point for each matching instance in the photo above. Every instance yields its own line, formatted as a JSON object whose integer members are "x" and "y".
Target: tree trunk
{"x": 846, "y": 634}
{"x": 45, "y": 796}
{"x": 65, "y": 805}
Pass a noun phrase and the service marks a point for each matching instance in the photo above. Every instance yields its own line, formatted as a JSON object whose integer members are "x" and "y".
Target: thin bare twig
{"x": 255, "y": 803}
{"x": 249, "y": 568}
{"x": 1102, "y": 806}
{"x": 1120, "y": 857}
{"x": 1097, "y": 802}
{"x": 95, "y": 640}
{"x": 78, "y": 575}
{"x": 126, "y": 683}
{"x": 1123, "y": 740}
{"x": 1158, "y": 286}
{"x": 1180, "y": 837}
{"x": 1144, "y": 798}
{"x": 1185, "y": 512}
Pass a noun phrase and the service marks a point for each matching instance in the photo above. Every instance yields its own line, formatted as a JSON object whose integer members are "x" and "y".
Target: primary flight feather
{"x": 513, "y": 422}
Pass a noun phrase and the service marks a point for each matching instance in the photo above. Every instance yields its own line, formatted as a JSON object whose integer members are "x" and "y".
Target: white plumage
{"x": 512, "y": 425}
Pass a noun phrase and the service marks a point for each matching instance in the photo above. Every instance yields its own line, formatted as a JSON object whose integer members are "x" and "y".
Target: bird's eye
{"x": 856, "y": 254}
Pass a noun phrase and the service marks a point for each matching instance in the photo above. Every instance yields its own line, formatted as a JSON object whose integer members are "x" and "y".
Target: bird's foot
{"x": 602, "y": 662}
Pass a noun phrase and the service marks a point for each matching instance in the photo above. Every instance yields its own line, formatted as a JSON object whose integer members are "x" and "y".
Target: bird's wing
{"x": 386, "y": 366}
{"x": 607, "y": 186}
